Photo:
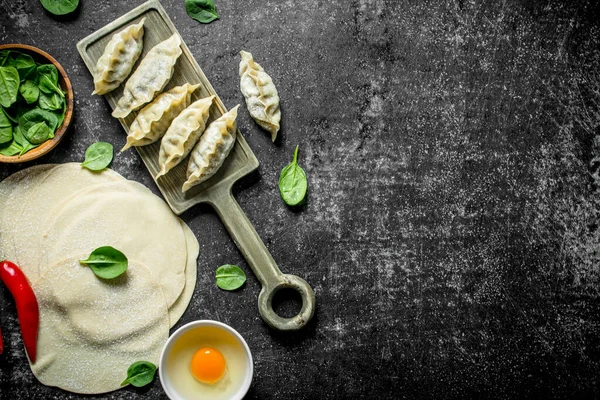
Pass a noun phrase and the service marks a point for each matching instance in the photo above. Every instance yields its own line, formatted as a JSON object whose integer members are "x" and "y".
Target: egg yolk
{"x": 208, "y": 365}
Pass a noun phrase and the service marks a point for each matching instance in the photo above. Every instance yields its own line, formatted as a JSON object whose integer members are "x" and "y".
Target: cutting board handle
{"x": 263, "y": 265}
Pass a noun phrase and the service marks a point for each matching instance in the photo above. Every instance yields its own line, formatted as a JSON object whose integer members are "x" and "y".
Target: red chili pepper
{"x": 27, "y": 305}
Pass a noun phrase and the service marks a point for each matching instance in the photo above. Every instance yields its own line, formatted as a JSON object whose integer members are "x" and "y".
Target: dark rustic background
{"x": 451, "y": 230}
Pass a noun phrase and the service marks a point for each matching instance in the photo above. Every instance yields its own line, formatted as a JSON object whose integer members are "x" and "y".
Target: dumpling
{"x": 182, "y": 135}
{"x": 212, "y": 149}
{"x": 153, "y": 120}
{"x": 260, "y": 93}
{"x": 150, "y": 77}
{"x": 120, "y": 54}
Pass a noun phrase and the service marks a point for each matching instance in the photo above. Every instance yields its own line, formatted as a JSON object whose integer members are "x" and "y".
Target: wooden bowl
{"x": 65, "y": 84}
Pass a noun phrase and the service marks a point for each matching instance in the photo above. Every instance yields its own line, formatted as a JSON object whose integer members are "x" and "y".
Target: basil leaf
{"x": 292, "y": 182}
{"x": 38, "y": 133}
{"x": 51, "y": 101}
{"x": 32, "y": 117}
{"x": 60, "y": 7}
{"x": 48, "y": 77}
{"x": 6, "y": 130}
{"x": 98, "y": 156}
{"x": 203, "y": 11}
{"x": 9, "y": 85}
{"x": 12, "y": 149}
{"x": 230, "y": 277}
{"x": 25, "y": 65}
{"x": 30, "y": 91}
{"x": 106, "y": 262}
{"x": 140, "y": 373}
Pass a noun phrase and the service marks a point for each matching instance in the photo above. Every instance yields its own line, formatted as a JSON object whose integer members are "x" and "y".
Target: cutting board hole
{"x": 287, "y": 303}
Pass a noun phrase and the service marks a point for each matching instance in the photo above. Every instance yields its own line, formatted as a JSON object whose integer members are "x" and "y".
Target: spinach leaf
{"x": 38, "y": 133}
{"x": 6, "y": 130}
{"x": 9, "y": 85}
{"x": 32, "y": 117}
{"x": 25, "y": 65}
{"x": 98, "y": 156}
{"x": 30, "y": 91}
{"x": 12, "y": 149}
{"x": 106, "y": 262}
{"x": 60, "y": 7}
{"x": 51, "y": 101}
{"x": 48, "y": 77}
{"x": 230, "y": 277}
{"x": 20, "y": 139}
{"x": 292, "y": 182}
{"x": 61, "y": 114}
{"x": 140, "y": 373}
{"x": 4, "y": 57}
{"x": 203, "y": 11}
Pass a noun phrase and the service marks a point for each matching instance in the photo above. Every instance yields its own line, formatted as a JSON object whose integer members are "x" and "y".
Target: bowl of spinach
{"x": 36, "y": 103}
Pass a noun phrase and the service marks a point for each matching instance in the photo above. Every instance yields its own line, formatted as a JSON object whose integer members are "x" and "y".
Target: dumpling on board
{"x": 182, "y": 135}
{"x": 212, "y": 149}
{"x": 150, "y": 77}
{"x": 120, "y": 54}
{"x": 260, "y": 94}
{"x": 154, "y": 119}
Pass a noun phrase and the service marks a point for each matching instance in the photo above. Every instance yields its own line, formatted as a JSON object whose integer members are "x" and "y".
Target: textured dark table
{"x": 451, "y": 229}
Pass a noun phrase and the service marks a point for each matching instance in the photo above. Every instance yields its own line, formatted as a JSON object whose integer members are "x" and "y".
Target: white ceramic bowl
{"x": 169, "y": 386}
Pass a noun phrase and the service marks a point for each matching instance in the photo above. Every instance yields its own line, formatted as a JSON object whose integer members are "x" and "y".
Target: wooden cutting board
{"x": 217, "y": 190}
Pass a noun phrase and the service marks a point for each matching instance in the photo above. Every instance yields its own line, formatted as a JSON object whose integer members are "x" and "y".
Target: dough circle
{"x": 128, "y": 217}
{"x": 91, "y": 330}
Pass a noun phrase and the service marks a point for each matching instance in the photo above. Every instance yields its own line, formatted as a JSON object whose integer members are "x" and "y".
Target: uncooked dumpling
{"x": 136, "y": 222}
{"x": 212, "y": 149}
{"x": 260, "y": 94}
{"x": 120, "y": 54}
{"x": 154, "y": 119}
{"x": 182, "y": 135}
{"x": 91, "y": 330}
{"x": 150, "y": 77}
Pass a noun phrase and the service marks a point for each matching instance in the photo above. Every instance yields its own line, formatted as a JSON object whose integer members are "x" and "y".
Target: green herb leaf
{"x": 38, "y": 133}
{"x": 292, "y": 182}
{"x": 51, "y": 101}
{"x": 6, "y": 130}
{"x": 230, "y": 277}
{"x": 140, "y": 373}
{"x": 106, "y": 262}
{"x": 25, "y": 65}
{"x": 12, "y": 149}
{"x": 4, "y": 57}
{"x": 98, "y": 156}
{"x": 30, "y": 91}
{"x": 20, "y": 139}
{"x": 48, "y": 77}
{"x": 9, "y": 85}
{"x": 203, "y": 11}
{"x": 60, "y": 7}
{"x": 32, "y": 117}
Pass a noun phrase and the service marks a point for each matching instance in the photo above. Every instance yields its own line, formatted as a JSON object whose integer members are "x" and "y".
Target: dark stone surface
{"x": 451, "y": 229}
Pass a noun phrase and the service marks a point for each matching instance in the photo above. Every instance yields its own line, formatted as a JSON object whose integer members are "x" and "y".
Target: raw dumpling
{"x": 260, "y": 93}
{"x": 120, "y": 54}
{"x": 150, "y": 77}
{"x": 182, "y": 135}
{"x": 153, "y": 120}
{"x": 212, "y": 149}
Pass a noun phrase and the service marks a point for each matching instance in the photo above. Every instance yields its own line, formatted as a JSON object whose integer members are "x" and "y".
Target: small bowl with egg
{"x": 206, "y": 359}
